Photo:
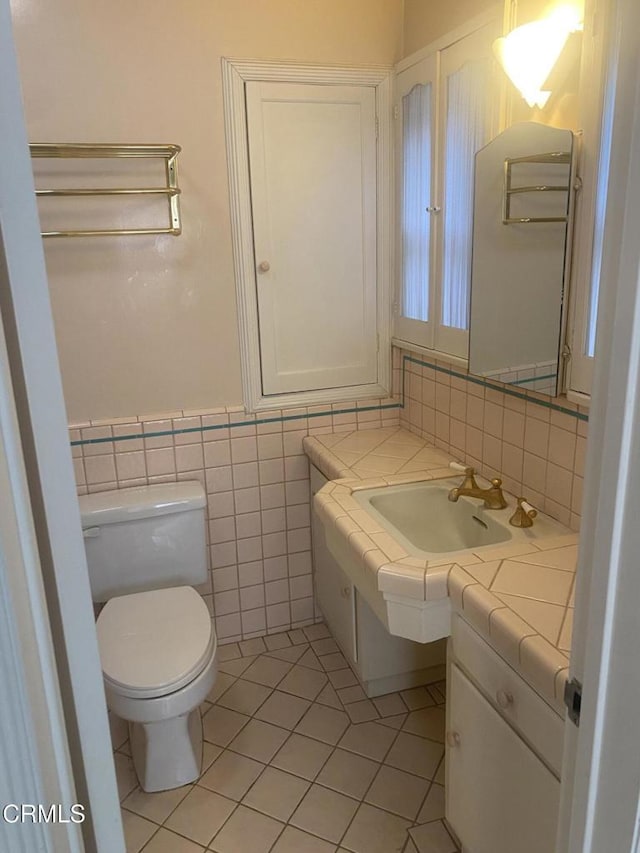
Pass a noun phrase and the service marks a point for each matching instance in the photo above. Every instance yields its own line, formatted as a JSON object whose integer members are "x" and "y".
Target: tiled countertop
{"x": 518, "y": 596}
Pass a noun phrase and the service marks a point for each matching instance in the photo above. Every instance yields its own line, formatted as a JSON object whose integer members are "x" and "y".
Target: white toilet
{"x": 146, "y": 547}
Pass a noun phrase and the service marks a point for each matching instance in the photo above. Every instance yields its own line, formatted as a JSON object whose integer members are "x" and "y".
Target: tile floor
{"x": 298, "y": 760}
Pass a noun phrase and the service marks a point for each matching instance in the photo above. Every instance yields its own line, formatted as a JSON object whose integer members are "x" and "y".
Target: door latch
{"x": 573, "y": 699}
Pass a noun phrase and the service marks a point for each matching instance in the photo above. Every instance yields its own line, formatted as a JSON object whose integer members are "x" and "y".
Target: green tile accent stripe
{"x": 231, "y": 424}
{"x": 475, "y": 380}
{"x": 504, "y": 389}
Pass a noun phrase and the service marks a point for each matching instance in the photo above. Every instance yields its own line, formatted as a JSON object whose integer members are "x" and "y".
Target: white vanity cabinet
{"x": 384, "y": 663}
{"x": 504, "y": 752}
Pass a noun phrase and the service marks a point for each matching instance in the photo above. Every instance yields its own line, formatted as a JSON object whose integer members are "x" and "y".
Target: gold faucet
{"x": 524, "y": 514}
{"x": 492, "y": 497}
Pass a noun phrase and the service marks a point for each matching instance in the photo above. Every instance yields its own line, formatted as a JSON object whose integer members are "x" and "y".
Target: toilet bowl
{"x": 158, "y": 653}
{"x": 146, "y": 547}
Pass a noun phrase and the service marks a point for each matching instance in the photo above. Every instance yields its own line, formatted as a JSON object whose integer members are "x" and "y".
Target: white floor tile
{"x": 322, "y": 723}
{"x": 348, "y": 695}
{"x": 397, "y": 792}
{"x": 316, "y": 632}
{"x": 326, "y": 646}
{"x": 433, "y": 838}
{"x": 259, "y": 740}
{"x": 348, "y": 773}
{"x": 415, "y": 755}
{"x": 283, "y": 709}
{"x": 156, "y": 807}
{"x": 276, "y": 793}
{"x": 267, "y": 670}
{"x": 303, "y": 682}
{"x": 137, "y": 831}
{"x": 433, "y": 808}
{"x": 417, "y": 697}
{"x": 220, "y": 725}
{"x": 244, "y": 697}
{"x": 292, "y": 654}
{"x": 427, "y": 722}
{"x": 223, "y": 682}
{"x": 231, "y": 775}
{"x": 125, "y": 774}
{"x": 342, "y": 678}
{"x": 302, "y": 756}
{"x": 325, "y": 813}
{"x": 235, "y": 666}
{"x": 390, "y": 705}
{"x": 333, "y": 662}
{"x": 295, "y": 840}
{"x": 375, "y": 831}
{"x": 311, "y": 661}
{"x": 230, "y": 651}
{"x": 361, "y": 712}
{"x": 328, "y": 696}
{"x": 165, "y": 841}
{"x": 266, "y": 789}
{"x": 247, "y": 831}
{"x": 200, "y": 815}
{"x": 396, "y": 722}
{"x": 252, "y": 647}
{"x": 209, "y": 754}
{"x": 369, "y": 739}
{"x": 277, "y": 641}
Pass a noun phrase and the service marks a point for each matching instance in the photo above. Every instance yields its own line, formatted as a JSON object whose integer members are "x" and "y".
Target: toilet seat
{"x": 154, "y": 643}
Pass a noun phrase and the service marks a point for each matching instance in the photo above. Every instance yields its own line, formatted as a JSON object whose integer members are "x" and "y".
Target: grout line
{"x": 501, "y": 389}
{"x": 310, "y": 782}
{"x": 231, "y": 425}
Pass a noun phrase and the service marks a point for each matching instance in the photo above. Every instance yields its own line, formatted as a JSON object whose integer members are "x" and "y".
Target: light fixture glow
{"x": 529, "y": 53}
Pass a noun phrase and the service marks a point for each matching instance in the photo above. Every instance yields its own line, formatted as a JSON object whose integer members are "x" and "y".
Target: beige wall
{"x": 148, "y": 324}
{"x": 427, "y": 20}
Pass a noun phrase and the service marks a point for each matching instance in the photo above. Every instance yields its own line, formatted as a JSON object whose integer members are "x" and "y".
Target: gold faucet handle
{"x": 524, "y": 514}
{"x": 469, "y": 481}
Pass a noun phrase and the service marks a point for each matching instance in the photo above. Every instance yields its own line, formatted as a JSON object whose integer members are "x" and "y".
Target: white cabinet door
{"x": 500, "y": 796}
{"x": 335, "y": 594}
{"x": 312, "y": 153}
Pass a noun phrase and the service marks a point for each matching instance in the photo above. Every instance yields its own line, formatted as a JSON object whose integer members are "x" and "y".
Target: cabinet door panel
{"x": 500, "y": 797}
{"x": 312, "y": 151}
{"x": 334, "y": 591}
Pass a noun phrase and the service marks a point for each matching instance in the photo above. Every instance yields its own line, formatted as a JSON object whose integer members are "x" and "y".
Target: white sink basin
{"x": 422, "y": 519}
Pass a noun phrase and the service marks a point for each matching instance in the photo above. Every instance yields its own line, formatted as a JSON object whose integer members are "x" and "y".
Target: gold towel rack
{"x": 559, "y": 158}
{"x": 101, "y": 151}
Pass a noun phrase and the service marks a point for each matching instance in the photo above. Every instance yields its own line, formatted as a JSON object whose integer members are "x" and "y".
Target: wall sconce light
{"x": 529, "y": 53}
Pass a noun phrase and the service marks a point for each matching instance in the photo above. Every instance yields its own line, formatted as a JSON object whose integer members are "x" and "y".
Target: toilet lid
{"x": 153, "y": 643}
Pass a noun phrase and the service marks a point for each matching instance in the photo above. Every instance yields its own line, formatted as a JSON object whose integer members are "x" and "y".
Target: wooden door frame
{"x": 235, "y": 73}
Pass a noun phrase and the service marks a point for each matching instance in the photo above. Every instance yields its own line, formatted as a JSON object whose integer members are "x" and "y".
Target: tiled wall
{"x": 257, "y": 477}
{"x": 536, "y": 445}
{"x": 257, "y": 483}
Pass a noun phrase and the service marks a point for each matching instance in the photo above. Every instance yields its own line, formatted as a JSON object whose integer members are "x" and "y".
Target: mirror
{"x": 522, "y": 196}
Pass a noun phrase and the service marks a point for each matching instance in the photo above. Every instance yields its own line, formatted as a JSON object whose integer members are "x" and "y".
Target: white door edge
{"x": 601, "y": 776}
{"x": 44, "y": 445}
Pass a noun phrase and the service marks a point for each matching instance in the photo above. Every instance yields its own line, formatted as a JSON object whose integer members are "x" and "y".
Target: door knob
{"x": 504, "y": 698}
{"x": 264, "y": 266}
{"x": 453, "y": 739}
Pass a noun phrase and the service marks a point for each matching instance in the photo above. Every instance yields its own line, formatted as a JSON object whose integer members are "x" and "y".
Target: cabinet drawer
{"x": 518, "y": 703}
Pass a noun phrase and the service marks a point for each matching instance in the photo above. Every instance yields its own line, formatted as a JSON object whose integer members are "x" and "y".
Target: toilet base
{"x": 167, "y": 753}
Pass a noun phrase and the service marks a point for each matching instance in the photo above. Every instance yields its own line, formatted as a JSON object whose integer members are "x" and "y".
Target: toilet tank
{"x": 147, "y": 537}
